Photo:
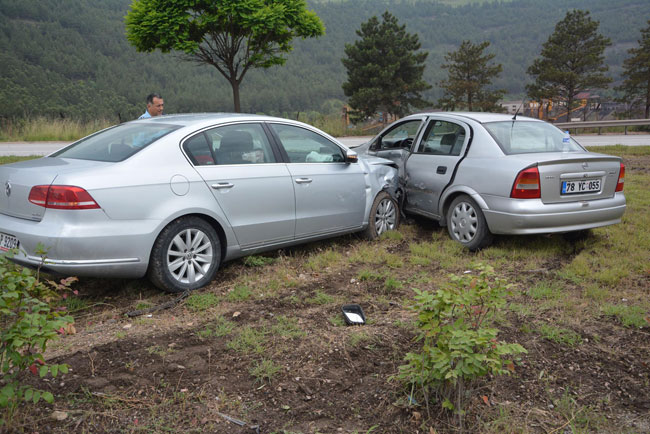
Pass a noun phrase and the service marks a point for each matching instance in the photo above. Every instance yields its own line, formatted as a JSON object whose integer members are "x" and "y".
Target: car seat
{"x": 233, "y": 146}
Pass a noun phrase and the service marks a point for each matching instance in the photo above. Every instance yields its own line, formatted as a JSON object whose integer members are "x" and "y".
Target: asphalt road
{"x": 45, "y": 148}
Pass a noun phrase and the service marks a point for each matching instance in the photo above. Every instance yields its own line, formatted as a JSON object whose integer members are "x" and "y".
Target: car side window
{"x": 239, "y": 144}
{"x": 198, "y": 150}
{"x": 399, "y": 137}
{"x": 442, "y": 138}
{"x": 305, "y": 146}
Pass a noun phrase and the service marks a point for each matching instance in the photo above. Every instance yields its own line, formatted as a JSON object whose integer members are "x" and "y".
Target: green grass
{"x": 367, "y": 275}
{"x": 358, "y": 339}
{"x": 579, "y": 418}
{"x": 249, "y": 340}
{"x": 629, "y": 316}
{"x": 44, "y": 129}
{"x": 323, "y": 260}
{"x": 375, "y": 253}
{"x": 620, "y": 150}
{"x": 14, "y": 158}
{"x": 546, "y": 291}
{"x": 320, "y": 298}
{"x": 560, "y": 335}
{"x": 220, "y": 328}
{"x": 239, "y": 293}
{"x": 392, "y": 284}
{"x": 264, "y": 370}
{"x": 199, "y": 302}
{"x": 257, "y": 261}
{"x": 287, "y": 327}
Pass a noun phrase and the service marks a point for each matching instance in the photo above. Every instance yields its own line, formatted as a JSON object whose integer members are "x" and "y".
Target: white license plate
{"x": 8, "y": 242}
{"x": 583, "y": 186}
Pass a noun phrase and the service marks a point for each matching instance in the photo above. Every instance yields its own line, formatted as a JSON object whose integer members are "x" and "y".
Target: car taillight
{"x": 527, "y": 185}
{"x": 61, "y": 197}
{"x": 621, "y": 178}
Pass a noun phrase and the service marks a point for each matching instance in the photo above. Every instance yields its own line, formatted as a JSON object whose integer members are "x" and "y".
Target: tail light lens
{"x": 61, "y": 197}
{"x": 621, "y": 178}
{"x": 527, "y": 185}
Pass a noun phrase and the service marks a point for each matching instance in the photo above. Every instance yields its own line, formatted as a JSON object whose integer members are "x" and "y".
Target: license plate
{"x": 8, "y": 242}
{"x": 583, "y": 186}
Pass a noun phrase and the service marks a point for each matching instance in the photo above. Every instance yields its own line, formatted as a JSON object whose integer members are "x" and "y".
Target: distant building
{"x": 512, "y": 106}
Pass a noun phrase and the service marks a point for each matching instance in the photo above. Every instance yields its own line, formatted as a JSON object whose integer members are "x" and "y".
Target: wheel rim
{"x": 190, "y": 255}
{"x": 385, "y": 217}
{"x": 464, "y": 222}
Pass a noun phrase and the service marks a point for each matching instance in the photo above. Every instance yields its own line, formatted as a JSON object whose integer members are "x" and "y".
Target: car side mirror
{"x": 351, "y": 157}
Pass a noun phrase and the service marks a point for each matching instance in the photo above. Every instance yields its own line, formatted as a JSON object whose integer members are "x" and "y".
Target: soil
{"x": 161, "y": 373}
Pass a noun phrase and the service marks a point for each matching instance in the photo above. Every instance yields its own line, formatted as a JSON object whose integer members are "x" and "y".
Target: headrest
{"x": 236, "y": 141}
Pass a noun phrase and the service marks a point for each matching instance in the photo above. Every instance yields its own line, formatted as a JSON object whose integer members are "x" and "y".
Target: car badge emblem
{"x": 585, "y": 165}
{"x": 8, "y": 188}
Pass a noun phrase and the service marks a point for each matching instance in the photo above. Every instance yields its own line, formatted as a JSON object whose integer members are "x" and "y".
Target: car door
{"x": 431, "y": 166}
{"x": 330, "y": 192}
{"x": 395, "y": 143}
{"x": 248, "y": 180}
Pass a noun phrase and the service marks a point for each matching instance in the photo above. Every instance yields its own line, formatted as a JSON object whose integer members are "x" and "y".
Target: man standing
{"x": 155, "y": 106}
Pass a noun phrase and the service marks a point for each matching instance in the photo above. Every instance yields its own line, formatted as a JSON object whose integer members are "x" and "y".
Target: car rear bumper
{"x": 92, "y": 245}
{"x": 531, "y": 216}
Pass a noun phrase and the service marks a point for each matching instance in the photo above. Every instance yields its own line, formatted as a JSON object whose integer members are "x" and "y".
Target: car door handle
{"x": 303, "y": 180}
{"x": 221, "y": 185}
{"x": 441, "y": 170}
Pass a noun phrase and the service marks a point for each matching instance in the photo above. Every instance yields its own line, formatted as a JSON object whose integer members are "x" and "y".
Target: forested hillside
{"x": 70, "y": 58}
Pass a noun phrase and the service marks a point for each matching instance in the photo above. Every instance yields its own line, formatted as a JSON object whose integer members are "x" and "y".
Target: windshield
{"x": 117, "y": 143}
{"x": 522, "y": 137}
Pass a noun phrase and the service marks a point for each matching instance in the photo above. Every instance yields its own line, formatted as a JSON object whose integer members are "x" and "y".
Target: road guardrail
{"x": 602, "y": 124}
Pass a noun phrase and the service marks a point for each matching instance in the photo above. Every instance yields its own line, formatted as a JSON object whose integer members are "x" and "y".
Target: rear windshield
{"x": 521, "y": 137}
{"x": 117, "y": 143}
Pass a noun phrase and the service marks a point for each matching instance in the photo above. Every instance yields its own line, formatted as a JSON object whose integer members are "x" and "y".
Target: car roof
{"x": 480, "y": 117}
{"x": 198, "y": 119}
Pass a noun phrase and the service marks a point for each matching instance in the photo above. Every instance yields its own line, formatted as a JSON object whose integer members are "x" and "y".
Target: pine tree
{"x": 469, "y": 75}
{"x": 571, "y": 60}
{"x": 384, "y": 69}
{"x": 636, "y": 86}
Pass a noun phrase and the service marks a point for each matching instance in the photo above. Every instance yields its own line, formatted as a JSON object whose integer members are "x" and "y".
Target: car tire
{"x": 384, "y": 216}
{"x": 466, "y": 223}
{"x": 185, "y": 256}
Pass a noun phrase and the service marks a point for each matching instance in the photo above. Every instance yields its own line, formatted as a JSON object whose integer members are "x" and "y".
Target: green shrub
{"x": 459, "y": 346}
{"x": 28, "y": 322}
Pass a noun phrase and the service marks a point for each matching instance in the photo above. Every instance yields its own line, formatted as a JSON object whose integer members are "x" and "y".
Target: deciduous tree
{"x": 231, "y": 35}
{"x": 384, "y": 69}
{"x": 470, "y": 73}
{"x": 571, "y": 60}
{"x": 636, "y": 86}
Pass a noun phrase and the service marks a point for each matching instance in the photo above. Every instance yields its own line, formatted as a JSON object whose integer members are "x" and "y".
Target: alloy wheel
{"x": 189, "y": 255}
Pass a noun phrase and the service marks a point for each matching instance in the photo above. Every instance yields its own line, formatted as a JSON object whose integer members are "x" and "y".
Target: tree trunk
{"x": 235, "y": 95}
{"x": 647, "y": 102}
{"x": 569, "y": 103}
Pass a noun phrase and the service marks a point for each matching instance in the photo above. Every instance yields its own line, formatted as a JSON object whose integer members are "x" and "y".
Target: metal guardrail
{"x": 602, "y": 124}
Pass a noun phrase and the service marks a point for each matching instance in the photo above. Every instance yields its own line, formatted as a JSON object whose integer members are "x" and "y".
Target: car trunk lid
{"x": 571, "y": 177}
{"x": 17, "y": 180}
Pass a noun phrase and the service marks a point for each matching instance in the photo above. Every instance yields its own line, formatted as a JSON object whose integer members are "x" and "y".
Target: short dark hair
{"x": 151, "y": 96}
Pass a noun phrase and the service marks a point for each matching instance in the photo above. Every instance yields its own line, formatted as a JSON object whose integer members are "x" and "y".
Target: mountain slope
{"x": 70, "y": 58}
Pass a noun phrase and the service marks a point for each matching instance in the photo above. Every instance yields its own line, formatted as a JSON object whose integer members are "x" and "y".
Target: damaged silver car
{"x": 482, "y": 174}
{"x": 172, "y": 197}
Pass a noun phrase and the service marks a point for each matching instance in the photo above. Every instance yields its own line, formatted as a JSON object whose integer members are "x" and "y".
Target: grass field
{"x": 266, "y": 344}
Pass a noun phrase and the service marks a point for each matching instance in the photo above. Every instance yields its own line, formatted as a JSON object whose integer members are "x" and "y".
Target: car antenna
{"x": 514, "y": 118}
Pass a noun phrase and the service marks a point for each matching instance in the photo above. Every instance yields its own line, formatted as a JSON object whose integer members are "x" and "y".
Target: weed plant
{"x": 264, "y": 370}
{"x": 29, "y": 320}
{"x": 459, "y": 346}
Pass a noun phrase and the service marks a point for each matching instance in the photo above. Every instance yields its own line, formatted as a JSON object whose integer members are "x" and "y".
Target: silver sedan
{"x": 481, "y": 174}
{"x": 172, "y": 197}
